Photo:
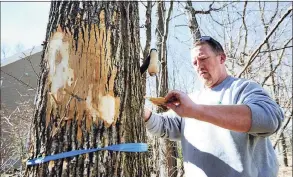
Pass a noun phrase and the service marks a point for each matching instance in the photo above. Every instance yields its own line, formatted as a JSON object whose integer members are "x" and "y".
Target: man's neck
{"x": 221, "y": 79}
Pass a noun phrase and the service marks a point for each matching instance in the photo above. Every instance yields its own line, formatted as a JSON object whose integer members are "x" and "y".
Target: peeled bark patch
{"x": 91, "y": 86}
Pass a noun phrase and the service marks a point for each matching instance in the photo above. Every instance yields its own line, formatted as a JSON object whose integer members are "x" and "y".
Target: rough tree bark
{"x": 90, "y": 91}
{"x": 169, "y": 147}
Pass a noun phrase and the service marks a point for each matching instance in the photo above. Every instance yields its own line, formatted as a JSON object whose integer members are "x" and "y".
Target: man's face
{"x": 207, "y": 64}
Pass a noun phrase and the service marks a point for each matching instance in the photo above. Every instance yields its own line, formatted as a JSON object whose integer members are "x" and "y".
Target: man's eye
{"x": 195, "y": 63}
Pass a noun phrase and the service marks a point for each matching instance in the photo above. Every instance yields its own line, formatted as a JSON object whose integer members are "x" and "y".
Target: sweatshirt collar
{"x": 221, "y": 85}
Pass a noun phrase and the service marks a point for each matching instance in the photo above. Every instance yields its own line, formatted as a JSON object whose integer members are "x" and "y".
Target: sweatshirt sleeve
{"x": 166, "y": 125}
{"x": 266, "y": 114}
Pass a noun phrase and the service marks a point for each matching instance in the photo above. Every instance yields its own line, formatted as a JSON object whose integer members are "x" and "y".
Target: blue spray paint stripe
{"x": 127, "y": 147}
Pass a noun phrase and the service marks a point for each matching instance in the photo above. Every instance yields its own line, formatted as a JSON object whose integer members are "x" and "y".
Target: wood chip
{"x": 157, "y": 100}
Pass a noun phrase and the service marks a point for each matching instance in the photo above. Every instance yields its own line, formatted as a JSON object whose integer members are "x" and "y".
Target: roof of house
{"x": 19, "y": 79}
{"x": 21, "y": 55}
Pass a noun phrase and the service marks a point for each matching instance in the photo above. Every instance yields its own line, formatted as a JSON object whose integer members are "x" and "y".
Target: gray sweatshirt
{"x": 212, "y": 151}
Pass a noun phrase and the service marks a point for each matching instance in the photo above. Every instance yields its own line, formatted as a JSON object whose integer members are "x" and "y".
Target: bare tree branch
{"x": 168, "y": 20}
{"x": 28, "y": 58}
{"x": 272, "y": 50}
{"x": 148, "y": 23}
{"x": 278, "y": 64}
{"x": 176, "y": 16}
{"x": 254, "y": 54}
{"x": 276, "y": 49}
{"x": 281, "y": 131}
{"x": 181, "y": 25}
{"x": 275, "y": 14}
{"x": 211, "y": 8}
{"x": 18, "y": 80}
{"x": 245, "y": 27}
{"x": 143, "y": 4}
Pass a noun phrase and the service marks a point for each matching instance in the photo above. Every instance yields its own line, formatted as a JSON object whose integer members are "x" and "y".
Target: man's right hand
{"x": 182, "y": 105}
{"x": 147, "y": 114}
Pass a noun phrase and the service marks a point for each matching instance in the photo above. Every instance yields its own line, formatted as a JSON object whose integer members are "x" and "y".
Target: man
{"x": 224, "y": 128}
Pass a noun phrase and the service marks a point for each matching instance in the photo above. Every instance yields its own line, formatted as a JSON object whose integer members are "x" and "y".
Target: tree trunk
{"x": 148, "y": 26}
{"x": 284, "y": 150}
{"x": 90, "y": 91}
{"x": 169, "y": 147}
{"x": 193, "y": 25}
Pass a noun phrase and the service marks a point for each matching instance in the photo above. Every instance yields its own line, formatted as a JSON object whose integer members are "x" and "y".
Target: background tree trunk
{"x": 169, "y": 147}
{"x": 284, "y": 150}
{"x": 154, "y": 143}
{"x": 192, "y": 22}
{"x": 90, "y": 91}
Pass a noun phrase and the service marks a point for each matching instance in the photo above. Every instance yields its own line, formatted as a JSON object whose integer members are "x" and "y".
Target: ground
{"x": 285, "y": 172}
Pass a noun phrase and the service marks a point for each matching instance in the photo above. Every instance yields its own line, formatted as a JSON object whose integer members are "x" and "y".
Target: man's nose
{"x": 200, "y": 65}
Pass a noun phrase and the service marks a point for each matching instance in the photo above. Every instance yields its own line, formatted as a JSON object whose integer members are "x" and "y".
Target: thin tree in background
{"x": 272, "y": 73}
{"x": 153, "y": 141}
{"x": 162, "y": 30}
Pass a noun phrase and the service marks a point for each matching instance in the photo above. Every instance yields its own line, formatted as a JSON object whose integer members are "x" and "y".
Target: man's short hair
{"x": 215, "y": 45}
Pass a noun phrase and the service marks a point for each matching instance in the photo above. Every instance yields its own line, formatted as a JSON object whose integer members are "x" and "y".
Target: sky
{"x": 23, "y": 24}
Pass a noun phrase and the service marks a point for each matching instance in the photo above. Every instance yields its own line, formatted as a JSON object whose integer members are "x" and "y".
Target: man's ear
{"x": 223, "y": 58}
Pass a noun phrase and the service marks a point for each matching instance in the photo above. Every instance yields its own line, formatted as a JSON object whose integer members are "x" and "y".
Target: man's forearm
{"x": 232, "y": 117}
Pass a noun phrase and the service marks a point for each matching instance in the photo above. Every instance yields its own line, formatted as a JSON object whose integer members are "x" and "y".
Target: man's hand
{"x": 181, "y": 103}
